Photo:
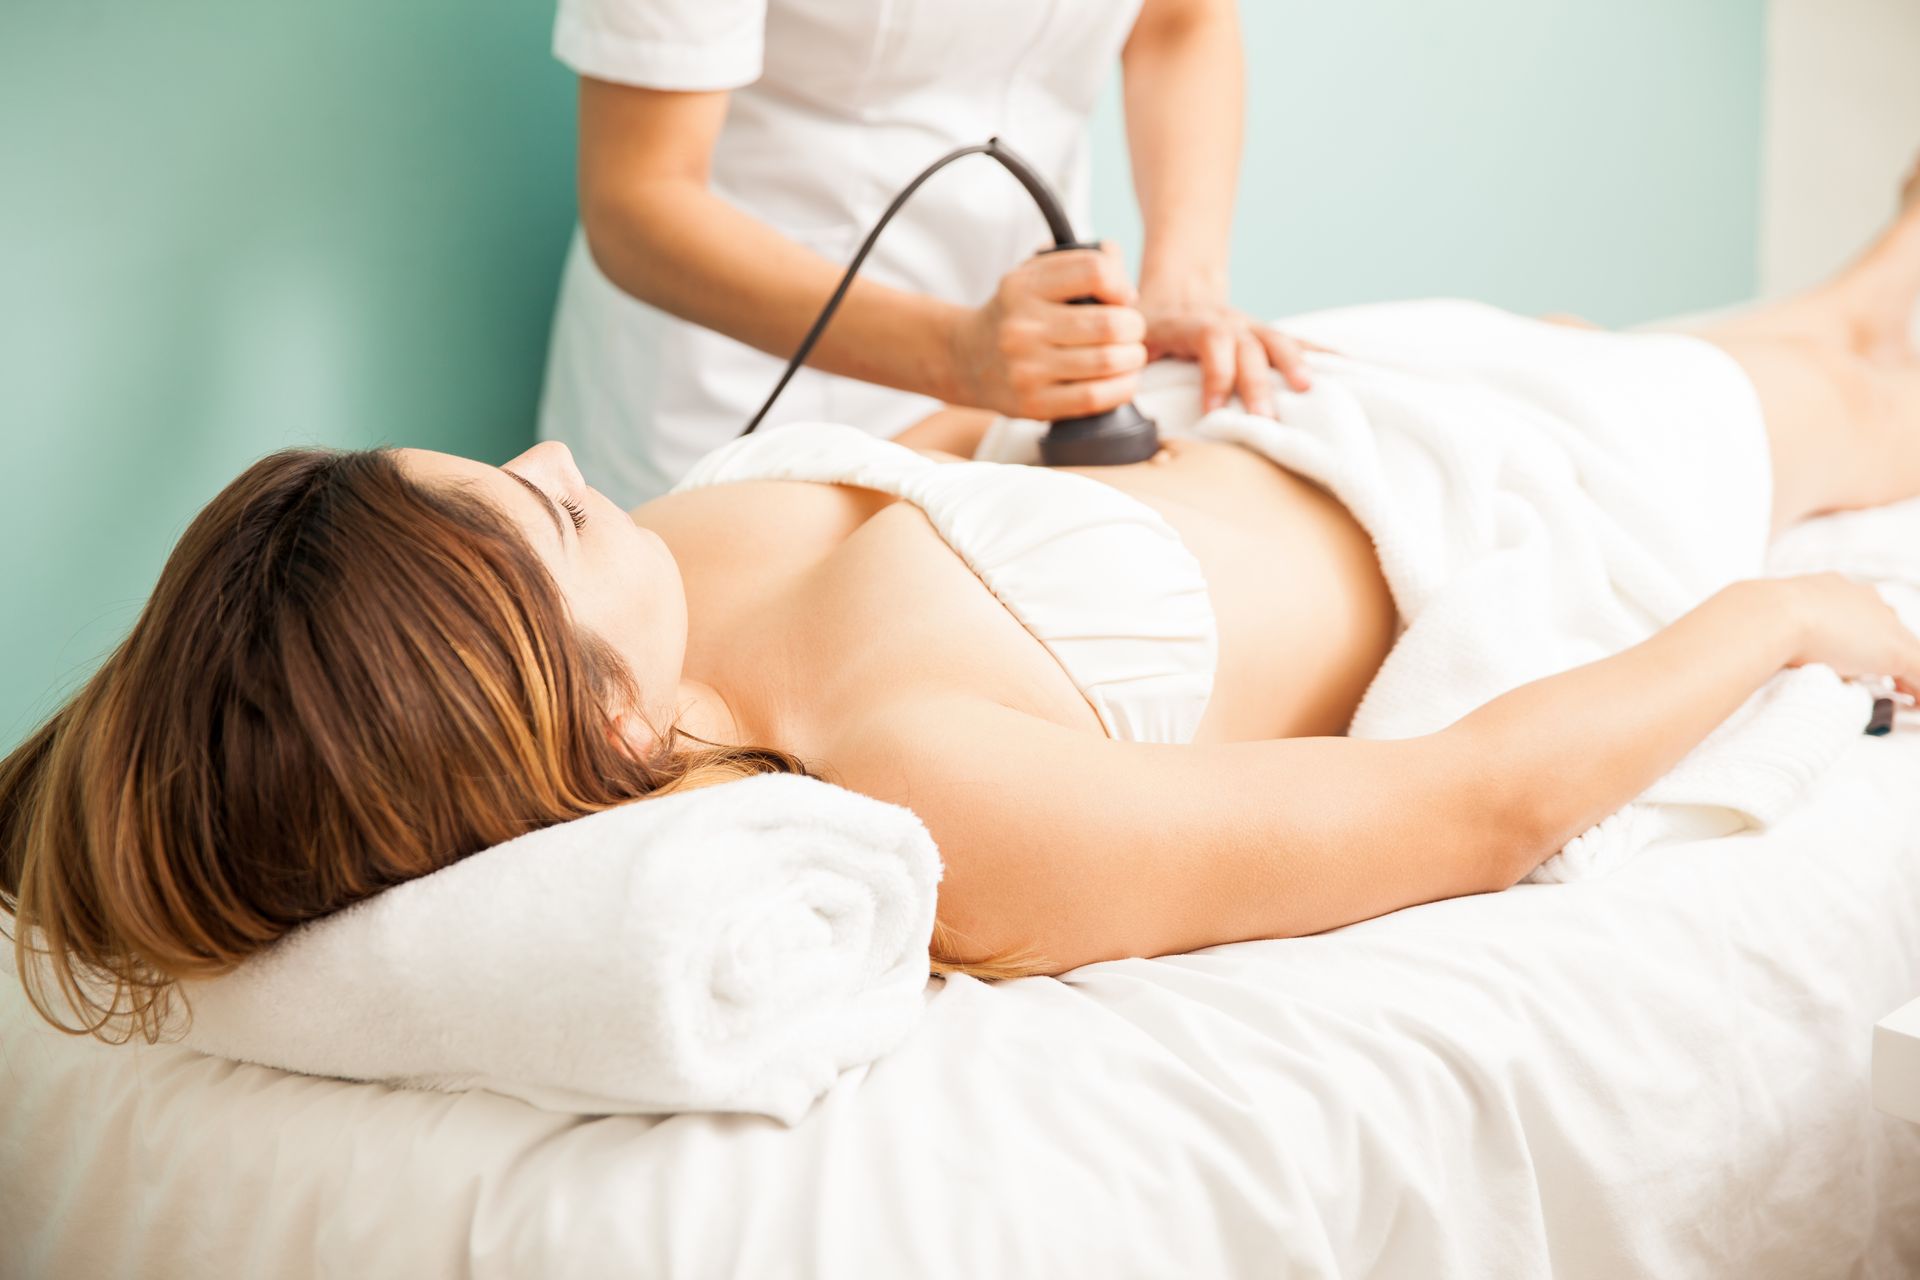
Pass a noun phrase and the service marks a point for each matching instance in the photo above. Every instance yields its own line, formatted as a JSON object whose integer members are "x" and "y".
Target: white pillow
{"x": 730, "y": 949}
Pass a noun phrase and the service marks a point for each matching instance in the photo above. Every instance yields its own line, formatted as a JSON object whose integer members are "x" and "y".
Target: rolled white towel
{"x": 730, "y": 949}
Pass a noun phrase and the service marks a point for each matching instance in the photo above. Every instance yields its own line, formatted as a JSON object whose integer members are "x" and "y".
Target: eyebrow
{"x": 547, "y": 504}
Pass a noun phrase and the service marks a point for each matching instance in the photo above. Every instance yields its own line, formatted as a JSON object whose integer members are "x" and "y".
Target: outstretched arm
{"x": 1084, "y": 849}
{"x": 1597, "y": 736}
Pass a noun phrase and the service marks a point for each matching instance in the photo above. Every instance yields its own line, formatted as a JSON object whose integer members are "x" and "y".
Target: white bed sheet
{"x": 1660, "y": 1073}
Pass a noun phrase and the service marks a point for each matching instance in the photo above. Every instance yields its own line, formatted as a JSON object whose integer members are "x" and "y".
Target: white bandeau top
{"x": 1097, "y": 576}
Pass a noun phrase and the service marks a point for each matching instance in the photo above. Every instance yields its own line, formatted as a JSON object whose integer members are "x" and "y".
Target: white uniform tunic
{"x": 836, "y": 105}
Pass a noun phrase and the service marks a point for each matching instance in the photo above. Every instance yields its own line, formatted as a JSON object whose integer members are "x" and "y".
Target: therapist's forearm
{"x": 1184, "y": 95}
{"x": 734, "y": 274}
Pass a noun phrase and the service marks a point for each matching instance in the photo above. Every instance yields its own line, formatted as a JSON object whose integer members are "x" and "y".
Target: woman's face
{"x": 619, "y": 580}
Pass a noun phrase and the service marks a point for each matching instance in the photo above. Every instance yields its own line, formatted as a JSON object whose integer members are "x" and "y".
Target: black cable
{"x": 1036, "y": 187}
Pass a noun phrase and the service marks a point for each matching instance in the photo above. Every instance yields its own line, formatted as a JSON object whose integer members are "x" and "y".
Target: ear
{"x": 632, "y": 732}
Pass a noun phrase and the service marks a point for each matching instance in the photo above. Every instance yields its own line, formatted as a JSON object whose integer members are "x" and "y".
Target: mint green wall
{"x": 228, "y": 226}
{"x": 1597, "y": 156}
{"x": 232, "y": 225}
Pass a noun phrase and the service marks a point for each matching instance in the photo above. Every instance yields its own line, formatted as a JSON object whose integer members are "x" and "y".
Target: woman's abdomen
{"x": 1305, "y": 616}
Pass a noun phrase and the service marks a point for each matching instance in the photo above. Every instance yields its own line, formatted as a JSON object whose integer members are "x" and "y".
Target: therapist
{"x": 733, "y": 153}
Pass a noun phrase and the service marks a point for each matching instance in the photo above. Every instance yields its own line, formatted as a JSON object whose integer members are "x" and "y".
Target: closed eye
{"x": 551, "y": 507}
{"x": 575, "y": 512}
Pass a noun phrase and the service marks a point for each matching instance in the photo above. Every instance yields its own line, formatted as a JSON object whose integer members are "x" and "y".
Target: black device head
{"x": 1101, "y": 439}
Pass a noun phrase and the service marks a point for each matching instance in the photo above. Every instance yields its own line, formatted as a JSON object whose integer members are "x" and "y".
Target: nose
{"x": 552, "y": 461}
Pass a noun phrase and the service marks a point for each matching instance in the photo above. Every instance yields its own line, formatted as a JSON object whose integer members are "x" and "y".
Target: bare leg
{"x": 1867, "y": 307}
{"x": 1844, "y": 430}
{"x": 1839, "y": 379}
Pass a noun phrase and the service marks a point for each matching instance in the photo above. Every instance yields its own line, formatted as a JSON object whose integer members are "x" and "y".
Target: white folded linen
{"x": 1542, "y": 496}
{"x": 734, "y": 948}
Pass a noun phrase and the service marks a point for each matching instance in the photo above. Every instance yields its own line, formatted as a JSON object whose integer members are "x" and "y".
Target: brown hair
{"x": 342, "y": 681}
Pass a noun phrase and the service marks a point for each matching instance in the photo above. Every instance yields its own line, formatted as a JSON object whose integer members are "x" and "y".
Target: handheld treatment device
{"x": 1102, "y": 439}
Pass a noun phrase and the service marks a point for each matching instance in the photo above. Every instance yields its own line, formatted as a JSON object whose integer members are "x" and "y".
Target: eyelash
{"x": 575, "y": 511}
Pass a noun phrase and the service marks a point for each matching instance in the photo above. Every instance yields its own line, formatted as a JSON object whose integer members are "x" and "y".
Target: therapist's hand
{"x": 1235, "y": 352}
{"x": 1029, "y": 354}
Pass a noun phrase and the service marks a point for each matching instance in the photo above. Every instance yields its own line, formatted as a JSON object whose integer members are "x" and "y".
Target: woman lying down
{"x": 1118, "y": 697}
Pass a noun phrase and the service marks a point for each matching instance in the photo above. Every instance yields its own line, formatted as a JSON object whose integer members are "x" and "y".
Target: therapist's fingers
{"x": 1078, "y": 399}
{"x": 1288, "y": 355}
{"x": 1075, "y": 273}
{"x": 1080, "y": 326}
{"x": 1210, "y": 340}
{"x": 1217, "y": 351}
{"x": 1036, "y": 375}
{"x": 1251, "y": 379}
{"x": 1076, "y": 364}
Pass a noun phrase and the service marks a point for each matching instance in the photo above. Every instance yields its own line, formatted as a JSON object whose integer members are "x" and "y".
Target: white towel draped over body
{"x": 729, "y": 949}
{"x": 1542, "y": 496}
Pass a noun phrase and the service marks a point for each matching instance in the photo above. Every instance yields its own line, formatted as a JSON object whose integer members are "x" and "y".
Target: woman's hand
{"x": 1235, "y": 352}
{"x": 1029, "y": 354}
{"x": 1846, "y": 625}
